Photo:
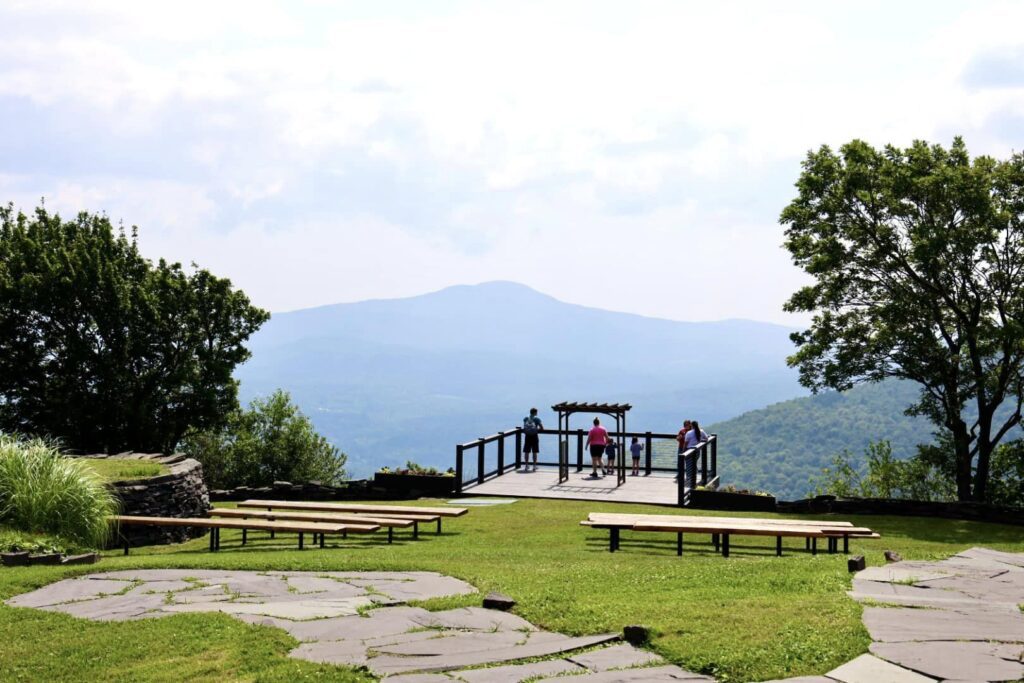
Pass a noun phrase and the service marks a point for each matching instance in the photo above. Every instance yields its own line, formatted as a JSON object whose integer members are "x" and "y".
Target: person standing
{"x": 531, "y": 444}
{"x": 695, "y": 436}
{"x": 681, "y": 436}
{"x": 597, "y": 439}
{"x": 635, "y": 448}
{"x": 610, "y": 451}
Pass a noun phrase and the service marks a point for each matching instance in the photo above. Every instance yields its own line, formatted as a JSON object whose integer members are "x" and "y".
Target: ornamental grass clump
{"x": 42, "y": 491}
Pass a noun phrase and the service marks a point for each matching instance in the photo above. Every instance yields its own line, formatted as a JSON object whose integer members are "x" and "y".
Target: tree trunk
{"x": 962, "y": 451}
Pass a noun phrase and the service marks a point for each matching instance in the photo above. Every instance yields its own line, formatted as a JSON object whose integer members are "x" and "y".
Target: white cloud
{"x": 635, "y": 158}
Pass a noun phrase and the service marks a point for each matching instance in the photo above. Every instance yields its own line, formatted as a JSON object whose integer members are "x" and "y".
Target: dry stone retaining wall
{"x": 179, "y": 493}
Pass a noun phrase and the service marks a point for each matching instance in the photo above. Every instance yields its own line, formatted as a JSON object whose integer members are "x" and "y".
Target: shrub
{"x": 270, "y": 441}
{"x": 42, "y": 491}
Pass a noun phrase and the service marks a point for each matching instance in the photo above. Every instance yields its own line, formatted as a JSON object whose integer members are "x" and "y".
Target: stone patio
{"x": 958, "y": 619}
{"x": 359, "y": 619}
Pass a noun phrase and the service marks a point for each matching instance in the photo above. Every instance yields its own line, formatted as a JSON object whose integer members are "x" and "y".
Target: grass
{"x": 118, "y": 469}
{"x": 42, "y": 491}
{"x": 749, "y": 617}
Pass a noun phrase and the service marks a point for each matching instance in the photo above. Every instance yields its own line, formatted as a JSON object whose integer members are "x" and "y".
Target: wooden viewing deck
{"x": 496, "y": 466}
{"x": 658, "y": 489}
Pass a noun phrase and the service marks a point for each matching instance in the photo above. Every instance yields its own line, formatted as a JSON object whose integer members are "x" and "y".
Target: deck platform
{"x": 656, "y": 489}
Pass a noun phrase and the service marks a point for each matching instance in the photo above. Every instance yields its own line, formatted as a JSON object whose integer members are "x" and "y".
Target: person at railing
{"x": 531, "y": 444}
{"x": 694, "y": 437}
{"x": 610, "y": 451}
{"x": 597, "y": 439}
{"x": 636, "y": 448}
{"x": 681, "y": 436}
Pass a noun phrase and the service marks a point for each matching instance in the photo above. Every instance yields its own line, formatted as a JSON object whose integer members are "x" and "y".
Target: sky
{"x": 632, "y": 155}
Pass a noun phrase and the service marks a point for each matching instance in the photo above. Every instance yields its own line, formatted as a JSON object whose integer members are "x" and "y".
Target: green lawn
{"x": 749, "y": 617}
{"x": 117, "y": 469}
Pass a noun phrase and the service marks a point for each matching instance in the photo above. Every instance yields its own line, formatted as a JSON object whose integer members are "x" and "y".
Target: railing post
{"x": 579, "y": 450}
{"x": 647, "y": 454}
{"x": 480, "y": 462}
{"x": 458, "y": 468}
{"x": 519, "y": 447}
{"x": 704, "y": 464}
{"x": 501, "y": 453}
{"x": 681, "y": 480}
{"x": 714, "y": 455}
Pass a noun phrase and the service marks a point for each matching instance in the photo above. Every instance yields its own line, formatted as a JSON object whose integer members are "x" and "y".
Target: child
{"x": 635, "y": 449}
{"x": 611, "y": 450}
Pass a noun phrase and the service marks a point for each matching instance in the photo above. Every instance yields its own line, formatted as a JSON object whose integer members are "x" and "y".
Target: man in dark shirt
{"x": 531, "y": 426}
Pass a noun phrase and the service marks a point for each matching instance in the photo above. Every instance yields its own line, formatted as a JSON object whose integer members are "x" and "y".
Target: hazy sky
{"x": 631, "y": 155}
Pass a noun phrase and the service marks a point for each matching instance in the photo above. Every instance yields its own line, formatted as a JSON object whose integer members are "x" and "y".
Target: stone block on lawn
{"x": 499, "y": 601}
{"x": 85, "y": 558}
{"x": 636, "y": 634}
{"x": 856, "y": 563}
{"x": 18, "y": 559}
{"x": 893, "y": 556}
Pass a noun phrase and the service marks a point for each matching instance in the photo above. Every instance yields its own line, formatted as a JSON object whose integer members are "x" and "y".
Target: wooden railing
{"x": 695, "y": 467}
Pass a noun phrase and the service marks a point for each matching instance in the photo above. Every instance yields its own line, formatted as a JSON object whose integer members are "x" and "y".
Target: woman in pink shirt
{"x": 597, "y": 439}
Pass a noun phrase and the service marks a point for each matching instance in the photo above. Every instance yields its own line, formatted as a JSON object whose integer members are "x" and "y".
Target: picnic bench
{"x": 721, "y": 528}
{"x": 318, "y": 529}
{"x": 389, "y": 523}
{"x": 415, "y": 513}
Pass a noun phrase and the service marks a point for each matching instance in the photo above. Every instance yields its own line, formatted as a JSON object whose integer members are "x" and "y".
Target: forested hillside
{"x": 780, "y": 447}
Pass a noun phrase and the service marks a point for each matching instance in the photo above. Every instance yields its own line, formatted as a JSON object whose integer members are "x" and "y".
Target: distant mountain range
{"x": 407, "y": 379}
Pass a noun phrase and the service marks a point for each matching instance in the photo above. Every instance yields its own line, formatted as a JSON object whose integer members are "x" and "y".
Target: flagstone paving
{"x": 958, "y": 619}
{"x": 356, "y": 618}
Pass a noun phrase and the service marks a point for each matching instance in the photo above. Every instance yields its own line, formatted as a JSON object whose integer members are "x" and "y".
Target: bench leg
{"x": 715, "y": 540}
{"x": 126, "y": 546}
{"x": 439, "y": 525}
{"x": 321, "y": 540}
{"x": 391, "y": 534}
{"x": 679, "y": 543}
{"x": 415, "y": 530}
{"x": 778, "y": 546}
{"x": 245, "y": 536}
{"x": 301, "y": 539}
{"x": 846, "y": 544}
{"x": 613, "y": 539}
{"x": 725, "y": 545}
{"x": 814, "y": 546}
{"x": 213, "y": 534}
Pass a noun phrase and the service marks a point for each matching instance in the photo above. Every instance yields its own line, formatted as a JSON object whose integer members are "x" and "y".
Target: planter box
{"x": 723, "y": 500}
{"x": 415, "y": 484}
{"x": 46, "y": 558}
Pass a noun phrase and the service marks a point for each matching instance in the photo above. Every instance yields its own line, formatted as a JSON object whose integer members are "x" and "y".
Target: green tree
{"x": 917, "y": 257}
{"x": 271, "y": 441}
{"x": 106, "y": 350}
{"x": 883, "y": 476}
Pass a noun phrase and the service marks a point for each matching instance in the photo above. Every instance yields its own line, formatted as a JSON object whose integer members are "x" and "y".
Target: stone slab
{"x": 966, "y": 661}
{"x": 453, "y": 643}
{"x": 114, "y": 608}
{"x": 68, "y": 590}
{"x": 419, "y": 678}
{"x": 475, "y": 619}
{"x": 895, "y": 624}
{"x": 1012, "y": 559}
{"x": 615, "y": 657}
{"x": 655, "y": 673}
{"x": 296, "y": 610}
{"x": 803, "y": 679}
{"x": 899, "y": 573}
{"x": 390, "y": 664}
{"x": 871, "y": 669}
{"x": 349, "y": 652}
{"x": 516, "y": 673}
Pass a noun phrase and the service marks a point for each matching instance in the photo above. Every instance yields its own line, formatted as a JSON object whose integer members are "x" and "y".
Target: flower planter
{"x": 725, "y": 500}
{"x": 415, "y": 484}
{"x": 17, "y": 559}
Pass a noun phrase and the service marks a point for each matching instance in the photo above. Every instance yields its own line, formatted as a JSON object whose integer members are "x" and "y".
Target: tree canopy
{"x": 271, "y": 441}
{"x": 104, "y": 349}
{"x": 917, "y": 260}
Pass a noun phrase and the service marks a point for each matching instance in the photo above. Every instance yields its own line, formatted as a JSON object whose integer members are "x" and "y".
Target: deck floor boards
{"x": 659, "y": 489}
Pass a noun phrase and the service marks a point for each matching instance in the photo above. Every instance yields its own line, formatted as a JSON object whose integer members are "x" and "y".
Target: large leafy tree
{"x": 106, "y": 350}
{"x": 270, "y": 441}
{"x": 917, "y": 260}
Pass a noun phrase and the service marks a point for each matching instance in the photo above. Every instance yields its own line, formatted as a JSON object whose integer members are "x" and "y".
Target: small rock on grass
{"x": 893, "y": 556}
{"x": 636, "y": 634}
{"x": 86, "y": 558}
{"x": 856, "y": 563}
{"x": 499, "y": 601}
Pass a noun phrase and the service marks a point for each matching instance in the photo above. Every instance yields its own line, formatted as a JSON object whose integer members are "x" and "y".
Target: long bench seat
{"x": 418, "y": 514}
{"x": 318, "y": 529}
{"x": 326, "y": 517}
{"x": 721, "y": 528}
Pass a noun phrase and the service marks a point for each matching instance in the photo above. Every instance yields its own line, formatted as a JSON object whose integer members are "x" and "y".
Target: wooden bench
{"x": 318, "y": 529}
{"x": 326, "y": 517}
{"x": 417, "y": 514}
{"x": 721, "y": 528}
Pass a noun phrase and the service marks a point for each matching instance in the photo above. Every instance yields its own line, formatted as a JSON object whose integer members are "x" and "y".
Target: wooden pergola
{"x": 567, "y": 408}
